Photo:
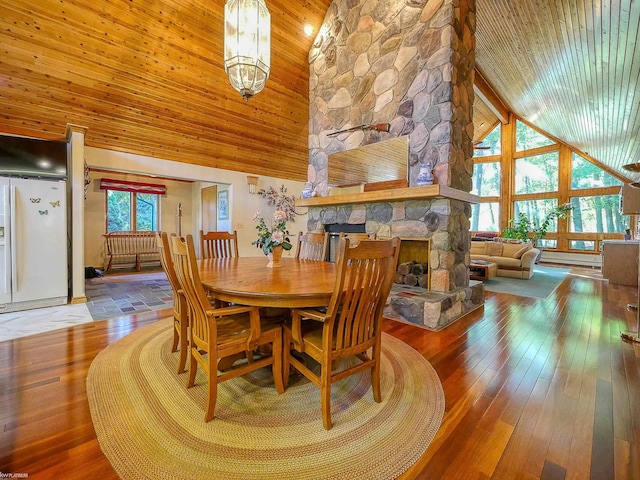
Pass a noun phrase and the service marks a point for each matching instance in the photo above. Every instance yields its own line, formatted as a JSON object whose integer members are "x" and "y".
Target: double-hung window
{"x": 132, "y": 206}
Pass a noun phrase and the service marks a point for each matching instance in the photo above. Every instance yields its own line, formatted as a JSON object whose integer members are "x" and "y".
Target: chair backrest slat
{"x": 218, "y": 244}
{"x": 312, "y": 246}
{"x": 185, "y": 264}
{"x": 365, "y": 275}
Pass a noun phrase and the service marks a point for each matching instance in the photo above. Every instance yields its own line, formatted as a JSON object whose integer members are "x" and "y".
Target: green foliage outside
{"x": 522, "y": 228}
{"x": 540, "y": 173}
{"x": 119, "y": 211}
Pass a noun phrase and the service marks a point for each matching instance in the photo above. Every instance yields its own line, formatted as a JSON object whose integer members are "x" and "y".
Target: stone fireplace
{"x": 409, "y": 64}
{"x": 427, "y": 215}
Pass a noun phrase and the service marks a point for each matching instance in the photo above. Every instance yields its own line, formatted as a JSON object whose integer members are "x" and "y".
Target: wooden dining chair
{"x": 180, "y": 316}
{"x": 216, "y": 333}
{"x": 352, "y": 322}
{"x": 218, "y": 244}
{"x": 356, "y": 238}
{"x": 312, "y": 246}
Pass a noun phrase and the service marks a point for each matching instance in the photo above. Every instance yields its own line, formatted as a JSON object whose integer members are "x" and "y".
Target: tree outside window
{"x": 537, "y": 174}
{"x": 585, "y": 174}
{"x": 486, "y": 179}
{"x": 527, "y": 138}
{"x": 129, "y": 211}
{"x": 485, "y": 217}
{"x": 490, "y": 145}
{"x": 597, "y": 213}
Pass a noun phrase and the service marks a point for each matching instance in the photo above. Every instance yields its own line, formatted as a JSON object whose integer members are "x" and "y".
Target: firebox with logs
{"x": 412, "y": 273}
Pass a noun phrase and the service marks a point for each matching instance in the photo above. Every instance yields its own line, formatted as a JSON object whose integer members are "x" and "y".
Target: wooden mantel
{"x": 395, "y": 195}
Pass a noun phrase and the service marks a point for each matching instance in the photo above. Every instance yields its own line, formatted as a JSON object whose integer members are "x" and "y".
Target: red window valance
{"x": 136, "y": 187}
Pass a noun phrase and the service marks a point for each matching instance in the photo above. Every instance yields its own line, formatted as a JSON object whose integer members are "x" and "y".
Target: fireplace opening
{"x": 413, "y": 263}
{"x": 335, "y": 229}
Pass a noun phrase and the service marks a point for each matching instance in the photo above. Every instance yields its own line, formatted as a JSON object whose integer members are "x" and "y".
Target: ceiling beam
{"x": 487, "y": 94}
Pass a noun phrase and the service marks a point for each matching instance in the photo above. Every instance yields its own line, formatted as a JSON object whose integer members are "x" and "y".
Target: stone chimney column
{"x": 408, "y": 63}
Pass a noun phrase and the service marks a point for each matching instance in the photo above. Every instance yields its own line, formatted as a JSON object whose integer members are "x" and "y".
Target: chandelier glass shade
{"x": 247, "y": 45}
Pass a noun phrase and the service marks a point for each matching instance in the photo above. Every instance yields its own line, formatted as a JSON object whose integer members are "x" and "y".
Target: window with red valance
{"x": 132, "y": 206}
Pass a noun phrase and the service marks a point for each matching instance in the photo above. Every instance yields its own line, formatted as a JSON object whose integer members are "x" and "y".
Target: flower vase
{"x": 274, "y": 257}
{"x": 425, "y": 176}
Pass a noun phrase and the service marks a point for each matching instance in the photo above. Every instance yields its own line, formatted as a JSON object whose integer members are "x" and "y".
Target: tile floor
{"x": 110, "y": 299}
{"x": 107, "y": 297}
{"x": 27, "y": 322}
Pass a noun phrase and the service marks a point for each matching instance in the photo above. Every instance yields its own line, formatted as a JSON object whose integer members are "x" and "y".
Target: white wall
{"x": 242, "y": 205}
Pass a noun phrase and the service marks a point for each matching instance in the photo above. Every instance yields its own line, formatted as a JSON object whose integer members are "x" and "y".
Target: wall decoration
{"x": 281, "y": 201}
{"x": 223, "y": 205}
{"x": 87, "y": 179}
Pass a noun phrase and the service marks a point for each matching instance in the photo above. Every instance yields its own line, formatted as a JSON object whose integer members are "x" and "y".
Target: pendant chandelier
{"x": 247, "y": 45}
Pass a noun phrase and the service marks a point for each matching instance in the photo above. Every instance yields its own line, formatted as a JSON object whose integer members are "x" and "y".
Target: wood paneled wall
{"x": 148, "y": 78}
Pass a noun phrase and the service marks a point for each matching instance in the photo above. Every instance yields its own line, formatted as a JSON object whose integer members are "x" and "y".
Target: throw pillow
{"x": 477, "y": 248}
{"x": 521, "y": 250}
{"x": 493, "y": 249}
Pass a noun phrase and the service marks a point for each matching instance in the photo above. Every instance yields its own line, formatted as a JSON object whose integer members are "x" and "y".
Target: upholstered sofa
{"x": 514, "y": 260}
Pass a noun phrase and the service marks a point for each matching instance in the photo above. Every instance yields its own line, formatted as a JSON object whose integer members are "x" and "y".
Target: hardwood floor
{"x": 535, "y": 389}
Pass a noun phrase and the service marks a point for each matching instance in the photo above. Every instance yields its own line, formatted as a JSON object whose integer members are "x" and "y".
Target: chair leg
{"x": 325, "y": 396}
{"x": 192, "y": 369}
{"x": 286, "y": 351}
{"x": 212, "y": 390}
{"x": 176, "y": 337}
{"x": 184, "y": 347}
{"x": 375, "y": 372}
{"x": 277, "y": 361}
{"x": 375, "y": 382}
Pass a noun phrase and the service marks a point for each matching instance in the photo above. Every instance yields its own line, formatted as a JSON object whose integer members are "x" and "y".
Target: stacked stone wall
{"x": 445, "y": 222}
{"x": 408, "y": 63}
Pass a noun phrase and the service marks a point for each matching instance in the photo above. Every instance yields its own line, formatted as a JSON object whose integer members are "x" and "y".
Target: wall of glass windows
{"x": 518, "y": 169}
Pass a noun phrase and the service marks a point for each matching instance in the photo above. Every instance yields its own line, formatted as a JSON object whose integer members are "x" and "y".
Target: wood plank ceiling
{"x": 570, "y": 67}
{"x": 147, "y": 77}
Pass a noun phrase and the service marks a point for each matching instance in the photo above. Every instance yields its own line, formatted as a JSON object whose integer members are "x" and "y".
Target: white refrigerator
{"x": 33, "y": 244}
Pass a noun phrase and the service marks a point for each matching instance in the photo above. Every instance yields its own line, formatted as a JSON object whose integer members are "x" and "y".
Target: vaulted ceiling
{"x": 147, "y": 77}
{"x": 570, "y": 67}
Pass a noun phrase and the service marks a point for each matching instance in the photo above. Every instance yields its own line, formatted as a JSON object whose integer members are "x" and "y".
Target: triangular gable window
{"x": 585, "y": 174}
{"x": 527, "y": 138}
{"x": 489, "y": 145}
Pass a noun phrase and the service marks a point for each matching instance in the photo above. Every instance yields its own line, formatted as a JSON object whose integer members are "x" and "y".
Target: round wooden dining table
{"x": 247, "y": 281}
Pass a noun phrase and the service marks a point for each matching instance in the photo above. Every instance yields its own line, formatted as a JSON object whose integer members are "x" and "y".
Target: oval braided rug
{"x": 150, "y": 426}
